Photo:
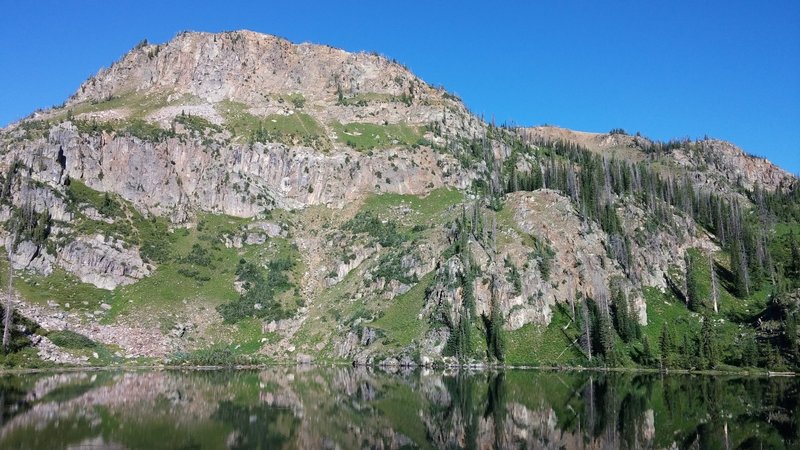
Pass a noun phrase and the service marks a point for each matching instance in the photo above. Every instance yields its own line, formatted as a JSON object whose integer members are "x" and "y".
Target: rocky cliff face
{"x": 177, "y": 177}
{"x": 345, "y": 174}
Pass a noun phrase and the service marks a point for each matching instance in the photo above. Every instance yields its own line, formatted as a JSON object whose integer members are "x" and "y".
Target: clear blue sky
{"x": 729, "y": 69}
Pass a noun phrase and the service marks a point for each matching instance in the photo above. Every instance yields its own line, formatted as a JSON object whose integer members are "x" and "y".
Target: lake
{"x": 343, "y": 408}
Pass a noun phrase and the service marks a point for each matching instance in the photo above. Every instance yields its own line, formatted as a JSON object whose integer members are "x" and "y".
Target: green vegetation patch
{"x": 146, "y": 131}
{"x": 104, "y": 203}
{"x": 550, "y": 345}
{"x": 70, "y": 339}
{"x": 136, "y": 105}
{"x": 63, "y": 288}
{"x": 297, "y": 99}
{"x": 33, "y": 129}
{"x": 385, "y": 232}
{"x": 196, "y": 266}
{"x": 399, "y": 321}
{"x": 262, "y": 289}
{"x": 197, "y": 124}
{"x": 128, "y": 224}
{"x": 368, "y": 136}
{"x": 423, "y": 209}
{"x": 393, "y": 220}
{"x": 293, "y": 129}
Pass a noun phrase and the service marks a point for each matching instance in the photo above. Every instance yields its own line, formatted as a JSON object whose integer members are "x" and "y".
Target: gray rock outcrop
{"x": 103, "y": 262}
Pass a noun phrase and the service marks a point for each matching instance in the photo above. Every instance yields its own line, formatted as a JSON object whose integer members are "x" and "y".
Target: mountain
{"x": 235, "y": 197}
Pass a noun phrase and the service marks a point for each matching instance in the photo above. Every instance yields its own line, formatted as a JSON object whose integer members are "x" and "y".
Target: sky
{"x": 729, "y": 69}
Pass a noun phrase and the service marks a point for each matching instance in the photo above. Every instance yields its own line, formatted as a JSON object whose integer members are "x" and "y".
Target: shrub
{"x": 262, "y": 290}
{"x": 385, "y": 233}
{"x": 71, "y": 339}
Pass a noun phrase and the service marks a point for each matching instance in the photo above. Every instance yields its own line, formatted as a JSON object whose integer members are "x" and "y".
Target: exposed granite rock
{"x": 103, "y": 262}
{"x": 28, "y": 255}
{"x": 49, "y": 351}
{"x": 580, "y": 264}
{"x": 175, "y": 176}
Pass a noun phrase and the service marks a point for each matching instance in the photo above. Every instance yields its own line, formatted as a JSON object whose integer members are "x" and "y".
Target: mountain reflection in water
{"x": 347, "y": 408}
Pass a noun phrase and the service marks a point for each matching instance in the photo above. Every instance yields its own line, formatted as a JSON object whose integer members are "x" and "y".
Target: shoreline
{"x": 443, "y": 368}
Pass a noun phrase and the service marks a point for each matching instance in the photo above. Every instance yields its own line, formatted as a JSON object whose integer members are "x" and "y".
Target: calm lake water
{"x": 343, "y": 408}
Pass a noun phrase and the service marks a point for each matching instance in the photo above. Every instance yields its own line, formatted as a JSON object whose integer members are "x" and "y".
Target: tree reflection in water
{"x": 363, "y": 408}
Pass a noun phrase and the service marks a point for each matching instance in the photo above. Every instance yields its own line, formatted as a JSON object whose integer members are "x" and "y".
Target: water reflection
{"x": 361, "y": 408}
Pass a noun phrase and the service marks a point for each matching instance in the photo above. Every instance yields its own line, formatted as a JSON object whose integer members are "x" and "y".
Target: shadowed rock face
{"x": 354, "y": 408}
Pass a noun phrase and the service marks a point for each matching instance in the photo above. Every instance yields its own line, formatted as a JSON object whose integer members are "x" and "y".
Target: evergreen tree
{"x": 793, "y": 267}
{"x": 606, "y": 338}
{"x": 647, "y": 353}
{"x": 495, "y": 342}
{"x": 688, "y": 356}
{"x": 739, "y": 269}
{"x": 693, "y": 296}
{"x": 708, "y": 345}
{"x": 666, "y": 346}
{"x": 749, "y": 351}
{"x": 625, "y": 322}
{"x": 790, "y": 330}
{"x": 620, "y": 315}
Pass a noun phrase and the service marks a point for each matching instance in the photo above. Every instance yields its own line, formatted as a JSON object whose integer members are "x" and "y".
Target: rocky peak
{"x": 248, "y": 67}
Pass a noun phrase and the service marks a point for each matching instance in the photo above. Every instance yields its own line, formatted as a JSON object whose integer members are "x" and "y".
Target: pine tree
{"x": 688, "y": 356}
{"x": 693, "y": 298}
{"x": 625, "y": 322}
{"x": 8, "y": 310}
{"x": 621, "y": 315}
{"x": 790, "y": 330}
{"x": 749, "y": 351}
{"x": 708, "y": 345}
{"x": 494, "y": 328}
{"x": 606, "y": 337}
{"x": 647, "y": 353}
{"x": 793, "y": 268}
{"x": 463, "y": 347}
{"x": 666, "y": 346}
{"x": 739, "y": 268}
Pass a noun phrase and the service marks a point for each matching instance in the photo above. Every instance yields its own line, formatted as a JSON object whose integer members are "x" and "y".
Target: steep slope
{"x": 237, "y": 197}
{"x": 730, "y": 164}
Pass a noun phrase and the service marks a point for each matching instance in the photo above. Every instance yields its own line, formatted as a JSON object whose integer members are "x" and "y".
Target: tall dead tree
{"x": 587, "y": 329}
{"x": 494, "y": 234}
{"x": 9, "y": 306}
{"x": 714, "y": 286}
